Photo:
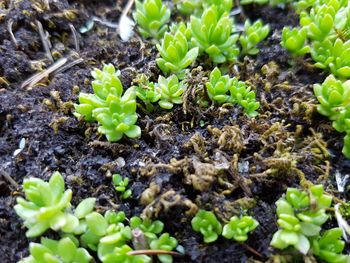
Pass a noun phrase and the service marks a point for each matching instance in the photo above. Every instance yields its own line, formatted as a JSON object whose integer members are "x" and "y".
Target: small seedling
{"x": 151, "y": 16}
{"x": 175, "y": 54}
{"x": 238, "y": 228}
{"x": 252, "y": 36}
{"x": 300, "y": 217}
{"x": 116, "y": 113}
{"x": 207, "y": 224}
{"x": 52, "y": 251}
{"x": 121, "y": 185}
{"x": 213, "y": 34}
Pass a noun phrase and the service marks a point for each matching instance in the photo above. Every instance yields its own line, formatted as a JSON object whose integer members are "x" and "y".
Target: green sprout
{"x": 218, "y": 87}
{"x": 320, "y": 22}
{"x": 238, "y": 228}
{"x": 329, "y": 247}
{"x": 213, "y": 34}
{"x": 148, "y": 94}
{"x": 175, "y": 54}
{"x": 333, "y": 96}
{"x": 294, "y": 41}
{"x": 241, "y": 94}
{"x": 300, "y": 217}
{"x": 44, "y": 206}
{"x": 207, "y": 224}
{"x": 116, "y": 113}
{"x": 170, "y": 90}
{"x": 149, "y": 228}
{"x": 52, "y": 251}
{"x": 121, "y": 185}
{"x": 252, "y": 36}
{"x": 164, "y": 242}
{"x": 151, "y": 16}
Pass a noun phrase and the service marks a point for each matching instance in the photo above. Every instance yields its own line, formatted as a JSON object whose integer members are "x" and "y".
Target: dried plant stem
{"x": 75, "y": 37}
{"x": 249, "y": 248}
{"x": 39, "y": 76}
{"x": 12, "y": 36}
{"x": 44, "y": 40}
{"x": 9, "y": 179}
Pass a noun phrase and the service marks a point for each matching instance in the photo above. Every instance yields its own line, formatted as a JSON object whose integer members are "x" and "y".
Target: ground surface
{"x": 216, "y": 159}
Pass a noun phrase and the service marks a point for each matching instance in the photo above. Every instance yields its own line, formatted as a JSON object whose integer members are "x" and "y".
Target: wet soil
{"x": 214, "y": 158}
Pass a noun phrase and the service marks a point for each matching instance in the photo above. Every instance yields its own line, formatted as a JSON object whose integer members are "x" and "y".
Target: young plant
{"x": 241, "y": 94}
{"x": 44, "y": 206}
{"x": 333, "y": 96}
{"x": 319, "y": 22}
{"x": 207, "y": 224}
{"x": 149, "y": 228}
{"x": 329, "y": 247}
{"x": 151, "y": 16}
{"x": 238, "y": 228}
{"x": 252, "y": 36}
{"x": 175, "y": 54}
{"x": 148, "y": 94}
{"x": 170, "y": 90}
{"x": 218, "y": 86}
{"x": 300, "y": 217}
{"x": 116, "y": 113}
{"x": 52, "y": 251}
{"x": 164, "y": 242}
{"x": 294, "y": 41}
{"x": 121, "y": 185}
{"x": 213, "y": 34}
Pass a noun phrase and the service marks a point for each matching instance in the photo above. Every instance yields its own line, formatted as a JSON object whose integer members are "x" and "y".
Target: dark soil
{"x": 189, "y": 158}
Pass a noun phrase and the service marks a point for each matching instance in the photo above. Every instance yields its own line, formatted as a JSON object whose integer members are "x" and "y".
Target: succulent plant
{"x": 148, "y": 94}
{"x": 151, "y": 16}
{"x": 329, "y": 247}
{"x": 175, "y": 54}
{"x": 340, "y": 66}
{"x": 44, "y": 206}
{"x": 238, "y": 228}
{"x": 319, "y": 22}
{"x": 218, "y": 86}
{"x": 252, "y": 36}
{"x": 207, "y": 224}
{"x": 149, "y": 228}
{"x": 334, "y": 98}
{"x": 170, "y": 90}
{"x": 52, "y": 251}
{"x": 300, "y": 216}
{"x": 116, "y": 113}
{"x": 241, "y": 94}
{"x": 121, "y": 185}
{"x": 332, "y": 95}
{"x": 213, "y": 34}
{"x": 294, "y": 41}
{"x": 164, "y": 242}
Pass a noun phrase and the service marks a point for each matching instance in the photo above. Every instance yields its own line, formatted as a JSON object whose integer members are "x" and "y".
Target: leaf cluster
{"x": 113, "y": 110}
{"x": 223, "y": 89}
{"x": 300, "y": 217}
